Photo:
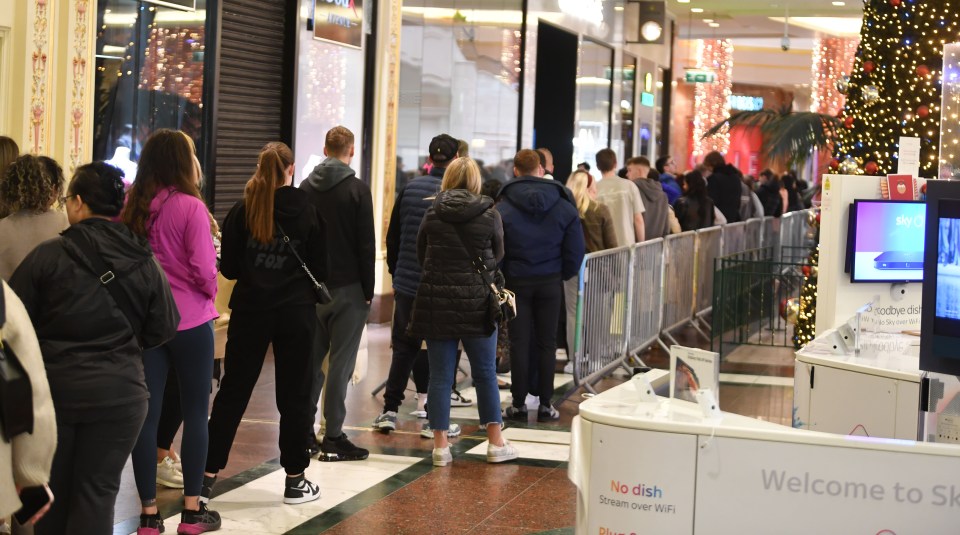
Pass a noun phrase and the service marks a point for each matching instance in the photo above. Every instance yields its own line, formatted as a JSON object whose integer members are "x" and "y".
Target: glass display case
{"x": 950, "y": 114}
{"x": 149, "y": 75}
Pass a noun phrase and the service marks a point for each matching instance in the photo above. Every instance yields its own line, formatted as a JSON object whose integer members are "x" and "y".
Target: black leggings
{"x": 171, "y": 416}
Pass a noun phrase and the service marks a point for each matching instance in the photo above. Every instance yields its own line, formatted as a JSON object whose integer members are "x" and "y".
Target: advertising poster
{"x": 641, "y": 482}
{"x": 754, "y": 486}
{"x": 692, "y": 370}
{"x": 339, "y": 21}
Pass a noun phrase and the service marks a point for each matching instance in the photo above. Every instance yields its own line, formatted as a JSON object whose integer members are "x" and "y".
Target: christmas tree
{"x": 894, "y": 87}
{"x": 805, "y": 329}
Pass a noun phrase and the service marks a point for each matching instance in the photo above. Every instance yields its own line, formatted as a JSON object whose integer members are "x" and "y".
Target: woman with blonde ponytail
{"x": 598, "y": 234}
{"x": 273, "y": 302}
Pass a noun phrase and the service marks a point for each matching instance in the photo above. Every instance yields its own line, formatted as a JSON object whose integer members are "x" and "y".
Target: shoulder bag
{"x": 319, "y": 288}
{"x": 503, "y": 302}
{"x": 16, "y": 393}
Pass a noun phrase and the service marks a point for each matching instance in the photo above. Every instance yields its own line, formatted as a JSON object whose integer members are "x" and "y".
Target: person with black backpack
{"x": 97, "y": 298}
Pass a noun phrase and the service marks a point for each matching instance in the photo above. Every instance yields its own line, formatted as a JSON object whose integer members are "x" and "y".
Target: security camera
{"x": 785, "y": 43}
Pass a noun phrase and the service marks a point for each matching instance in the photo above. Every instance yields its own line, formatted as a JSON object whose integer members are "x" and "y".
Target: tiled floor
{"x": 397, "y": 491}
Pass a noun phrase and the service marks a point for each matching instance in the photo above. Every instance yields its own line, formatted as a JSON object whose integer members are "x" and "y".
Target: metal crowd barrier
{"x": 632, "y": 297}
{"x": 753, "y": 228}
{"x": 603, "y": 303}
{"x": 709, "y": 246}
{"x": 678, "y": 272}
{"x": 646, "y": 295}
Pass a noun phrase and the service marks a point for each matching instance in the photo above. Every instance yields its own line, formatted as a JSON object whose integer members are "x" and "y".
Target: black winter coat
{"x": 90, "y": 351}
{"x": 724, "y": 187}
{"x": 413, "y": 201}
{"x": 268, "y": 275}
{"x": 452, "y": 299}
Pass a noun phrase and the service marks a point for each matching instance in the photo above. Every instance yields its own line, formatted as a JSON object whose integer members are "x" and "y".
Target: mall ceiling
{"x": 764, "y": 18}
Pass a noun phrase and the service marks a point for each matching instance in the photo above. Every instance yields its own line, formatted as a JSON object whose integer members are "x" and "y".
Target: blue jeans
{"x": 482, "y": 353}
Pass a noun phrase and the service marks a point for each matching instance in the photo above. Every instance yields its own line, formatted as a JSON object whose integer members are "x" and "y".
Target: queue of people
{"x": 119, "y": 289}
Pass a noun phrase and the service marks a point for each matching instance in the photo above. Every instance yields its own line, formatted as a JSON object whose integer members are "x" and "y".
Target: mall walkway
{"x": 398, "y": 491}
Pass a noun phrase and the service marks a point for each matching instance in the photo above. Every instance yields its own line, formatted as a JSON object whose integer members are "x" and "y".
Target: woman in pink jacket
{"x": 164, "y": 206}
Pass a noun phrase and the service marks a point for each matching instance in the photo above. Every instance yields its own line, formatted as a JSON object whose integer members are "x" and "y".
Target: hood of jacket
{"x": 535, "y": 195}
{"x": 289, "y": 202}
{"x": 460, "y": 205}
{"x": 120, "y": 248}
{"x": 728, "y": 170}
{"x": 650, "y": 190}
{"x": 328, "y": 174}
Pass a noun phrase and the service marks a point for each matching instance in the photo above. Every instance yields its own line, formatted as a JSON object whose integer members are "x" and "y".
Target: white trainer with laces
{"x": 500, "y": 454}
{"x": 442, "y": 456}
{"x": 168, "y": 474}
{"x": 453, "y": 431}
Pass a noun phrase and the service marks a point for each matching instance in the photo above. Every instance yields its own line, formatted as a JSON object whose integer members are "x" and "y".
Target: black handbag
{"x": 319, "y": 288}
{"x": 502, "y": 303}
{"x": 16, "y": 393}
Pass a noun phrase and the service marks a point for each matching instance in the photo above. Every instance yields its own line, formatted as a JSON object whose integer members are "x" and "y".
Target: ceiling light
{"x": 618, "y": 8}
{"x": 708, "y": 20}
{"x": 714, "y": 25}
{"x": 839, "y": 4}
{"x": 683, "y": 1}
{"x": 696, "y": 10}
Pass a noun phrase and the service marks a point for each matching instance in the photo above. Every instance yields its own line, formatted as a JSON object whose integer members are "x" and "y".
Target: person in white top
{"x": 623, "y": 199}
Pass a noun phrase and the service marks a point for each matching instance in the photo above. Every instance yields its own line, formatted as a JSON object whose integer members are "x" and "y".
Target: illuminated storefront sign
{"x": 339, "y": 21}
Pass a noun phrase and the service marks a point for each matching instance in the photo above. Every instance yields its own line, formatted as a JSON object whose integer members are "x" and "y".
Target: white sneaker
{"x": 453, "y": 431}
{"x": 568, "y": 368}
{"x": 168, "y": 475}
{"x": 499, "y": 454}
{"x": 457, "y": 399}
{"x": 442, "y": 456}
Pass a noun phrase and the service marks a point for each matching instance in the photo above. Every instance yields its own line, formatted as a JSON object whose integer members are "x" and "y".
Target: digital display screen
{"x": 947, "y": 303}
{"x": 888, "y": 241}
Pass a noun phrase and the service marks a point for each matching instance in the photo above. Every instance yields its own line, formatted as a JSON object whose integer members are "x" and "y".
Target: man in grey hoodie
{"x": 346, "y": 205}
{"x": 656, "y": 218}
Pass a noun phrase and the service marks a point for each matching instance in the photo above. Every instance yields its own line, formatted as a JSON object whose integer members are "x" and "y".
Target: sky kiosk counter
{"x": 663, "y": 467}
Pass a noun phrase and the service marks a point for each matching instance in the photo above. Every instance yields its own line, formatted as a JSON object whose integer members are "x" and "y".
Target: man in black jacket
{"x": 723, "y": 186}
{"x": 411, "y": 204}
{"x": 346, "y": 205}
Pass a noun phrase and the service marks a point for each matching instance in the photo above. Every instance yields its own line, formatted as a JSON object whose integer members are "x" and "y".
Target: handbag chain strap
{"x": 286, "y": 240}
{"x": 477, "y": 261}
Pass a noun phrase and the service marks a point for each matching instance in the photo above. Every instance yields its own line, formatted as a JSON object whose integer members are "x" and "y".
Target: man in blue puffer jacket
{"x": 412, "y": 202}
{"x": 544, "y": 246}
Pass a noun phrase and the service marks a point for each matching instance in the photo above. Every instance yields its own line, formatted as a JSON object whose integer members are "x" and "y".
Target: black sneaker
{"x": 341, "y": 449}
{"x": 202, "y": 521}
{"x": 299, "y": 490}
{"x": 150, "y": 524}
{"x": 206, "y": 489}
{"x": 545, "y": 413}
{"x": 313, "y": 446}
{"x": 515, "y": 413}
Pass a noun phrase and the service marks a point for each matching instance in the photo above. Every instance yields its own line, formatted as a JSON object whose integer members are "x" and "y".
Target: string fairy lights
{"x": 832, "y": 59}
{"x": 900, "y": 53}
{"x": 712, "y": 101}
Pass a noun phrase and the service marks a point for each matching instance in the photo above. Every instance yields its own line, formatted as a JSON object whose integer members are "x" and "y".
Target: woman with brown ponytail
{"x": 273, "y": 302}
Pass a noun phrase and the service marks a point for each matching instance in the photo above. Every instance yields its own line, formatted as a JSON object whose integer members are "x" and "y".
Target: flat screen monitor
{"x": 887, "y": 244}
{"x": 940, "y": 313}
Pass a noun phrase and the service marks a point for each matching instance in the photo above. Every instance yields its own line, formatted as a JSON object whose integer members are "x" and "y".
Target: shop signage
{"x": 641, "y": 482}
{"x": 338, "y": 21}
{"x": 699, "y": 77}
{"x": 748, "y": 486}
{"x": 746, "y": 103}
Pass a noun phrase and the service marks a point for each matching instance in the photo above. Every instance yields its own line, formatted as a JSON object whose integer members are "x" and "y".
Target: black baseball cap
{"x": 443, "y": 148}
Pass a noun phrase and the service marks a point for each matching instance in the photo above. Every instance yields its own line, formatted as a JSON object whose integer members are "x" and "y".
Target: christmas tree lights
{"x": 894, "y": 87}
{"x": 805, "y": 329}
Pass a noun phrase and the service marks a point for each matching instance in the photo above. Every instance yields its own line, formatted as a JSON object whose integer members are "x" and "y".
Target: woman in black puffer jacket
{"x": 452, "y": 303}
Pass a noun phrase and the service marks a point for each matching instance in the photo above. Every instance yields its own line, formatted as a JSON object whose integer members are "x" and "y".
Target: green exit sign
{"x": 700, "y": 77}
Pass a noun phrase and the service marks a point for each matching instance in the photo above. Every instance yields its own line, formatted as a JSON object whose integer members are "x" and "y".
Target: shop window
{"x": 595, "y": 87}
{"x": 459, "y": 74}
{"x": 150, "y": 65}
